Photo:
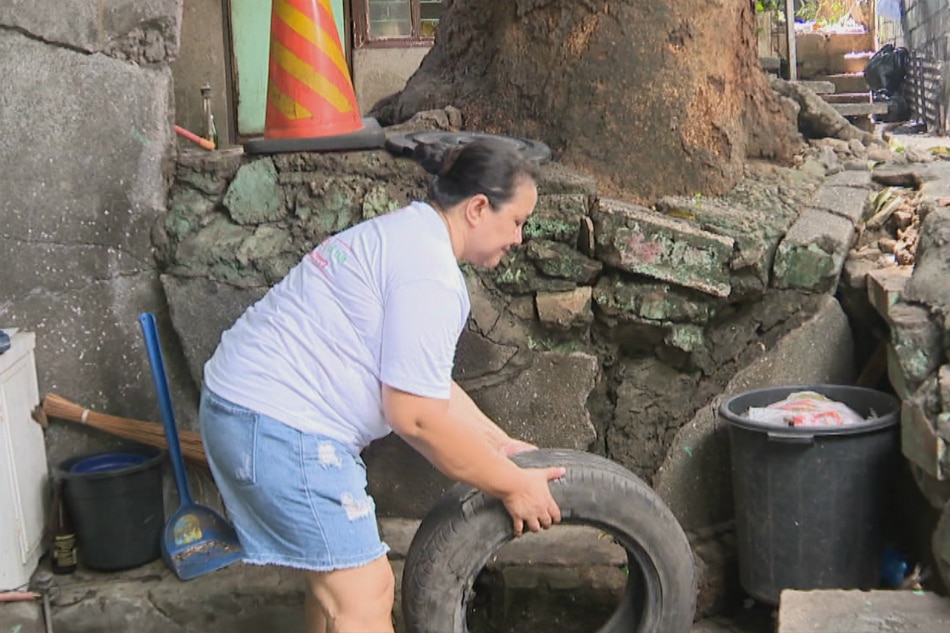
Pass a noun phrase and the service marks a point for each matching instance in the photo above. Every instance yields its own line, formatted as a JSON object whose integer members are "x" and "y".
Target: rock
{"x": 254, "y": 195}
{"x": 565, "y": 310}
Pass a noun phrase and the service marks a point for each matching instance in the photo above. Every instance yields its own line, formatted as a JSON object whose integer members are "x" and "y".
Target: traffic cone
{"x": 311, "y": 104}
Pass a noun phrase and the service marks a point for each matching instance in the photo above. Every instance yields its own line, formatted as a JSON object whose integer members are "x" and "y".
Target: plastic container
{"x": 116, "y": 504}
{"x": 810, "y": 501}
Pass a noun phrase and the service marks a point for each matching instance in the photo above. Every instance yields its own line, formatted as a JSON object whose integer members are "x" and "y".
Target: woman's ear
{"x": 476, "y": 207}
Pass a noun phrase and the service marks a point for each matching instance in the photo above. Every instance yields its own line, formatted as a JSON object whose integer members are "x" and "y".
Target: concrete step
{"x": 846, "y": 82}
{"x": 848, "y": 97}
{"x": 859, "y": 109}
{"x": 837, "y": 611}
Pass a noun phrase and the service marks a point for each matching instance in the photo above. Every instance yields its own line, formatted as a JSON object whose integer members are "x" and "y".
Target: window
{"x": 400, "y": 22}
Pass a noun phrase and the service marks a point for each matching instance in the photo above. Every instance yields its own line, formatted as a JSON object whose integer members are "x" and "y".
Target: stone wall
{"x": 607, "y": 330}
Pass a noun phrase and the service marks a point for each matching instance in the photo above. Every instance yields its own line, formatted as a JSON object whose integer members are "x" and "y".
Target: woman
{"x": 357, "y": 341}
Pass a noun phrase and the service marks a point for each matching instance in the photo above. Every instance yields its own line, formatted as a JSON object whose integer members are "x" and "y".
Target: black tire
{"x": 403, "y": 144}
{"x": 466, "y": 528}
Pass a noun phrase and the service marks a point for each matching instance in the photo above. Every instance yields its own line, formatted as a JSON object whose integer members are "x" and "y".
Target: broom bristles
{"x": 149, "y": 433}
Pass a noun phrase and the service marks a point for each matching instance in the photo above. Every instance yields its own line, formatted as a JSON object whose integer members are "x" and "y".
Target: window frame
{"x": 362, "y": 39}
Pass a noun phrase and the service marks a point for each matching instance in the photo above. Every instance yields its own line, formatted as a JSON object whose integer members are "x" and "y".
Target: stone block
{"x": 919, "y": 440}
{"x": 903, "y": 388}
{"x": 517, "y": 273}
{"x": 756, "y": 234}
{"x": 557, "y": 217}
{"x": 622, "y": 301}
{"x": 813, "y": 252}
{"x": 885, "y": 286}
{"x": 916, "y": 342}
{"x": 943, "y": 381}
{"x": 930, "y": 283}
{"x": 854, "y": 273}
{"x": 635, "y": 239}
{"x": 852, "y": 611}
{"x": 850, "y": 178}
{"x": 561, "y": 261}
{"x": 847, "y": 202}
{"x": 565, "y": 310}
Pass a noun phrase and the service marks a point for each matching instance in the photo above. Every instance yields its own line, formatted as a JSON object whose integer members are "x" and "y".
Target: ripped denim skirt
{"x": 296, "y": 499}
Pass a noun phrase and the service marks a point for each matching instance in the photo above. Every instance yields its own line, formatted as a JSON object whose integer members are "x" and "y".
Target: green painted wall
{"x": 250, "y": 34}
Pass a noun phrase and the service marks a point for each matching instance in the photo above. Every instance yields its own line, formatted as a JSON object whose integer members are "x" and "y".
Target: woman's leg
{"x": 314, "y": 617}
{"x": 354, "y": 600}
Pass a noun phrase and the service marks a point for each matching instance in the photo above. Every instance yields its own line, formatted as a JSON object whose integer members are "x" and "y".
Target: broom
{"x": 148, "y": 433}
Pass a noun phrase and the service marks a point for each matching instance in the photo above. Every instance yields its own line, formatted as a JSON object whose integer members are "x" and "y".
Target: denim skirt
{"x": 296, "y": 499}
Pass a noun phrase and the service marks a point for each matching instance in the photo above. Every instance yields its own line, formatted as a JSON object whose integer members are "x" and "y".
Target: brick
{"x": 885, "y": 286}
{"x": 635, "y": 239}
{"x": 813, "y": 252}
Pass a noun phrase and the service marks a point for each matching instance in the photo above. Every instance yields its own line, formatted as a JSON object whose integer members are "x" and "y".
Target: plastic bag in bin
{"x": 805, "y": 408}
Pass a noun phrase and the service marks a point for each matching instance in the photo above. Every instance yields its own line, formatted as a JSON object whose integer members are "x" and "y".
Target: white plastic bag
{"x": 805, "y": 408}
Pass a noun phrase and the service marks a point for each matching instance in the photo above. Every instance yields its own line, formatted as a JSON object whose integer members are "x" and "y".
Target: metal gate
{"x": 922, "y": 89}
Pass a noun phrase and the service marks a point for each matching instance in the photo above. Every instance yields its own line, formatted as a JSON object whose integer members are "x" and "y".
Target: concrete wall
{"x": 202, "y": 60}
{"x": 85, "y": 140}
{"x": 379, "y": 72}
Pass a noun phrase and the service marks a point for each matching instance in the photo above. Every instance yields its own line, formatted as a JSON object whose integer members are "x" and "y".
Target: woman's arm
{"x": 461, "y": 449}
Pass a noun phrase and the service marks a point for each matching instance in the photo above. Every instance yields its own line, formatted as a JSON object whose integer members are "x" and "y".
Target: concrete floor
{"x": 246, "y": 599}
{"x": 250, "y": 599}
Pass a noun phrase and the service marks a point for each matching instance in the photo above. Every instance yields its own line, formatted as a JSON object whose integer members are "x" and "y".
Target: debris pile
{"x": 888, "y": 234}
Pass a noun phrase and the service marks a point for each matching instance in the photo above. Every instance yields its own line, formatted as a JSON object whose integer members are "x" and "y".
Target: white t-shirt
{"x": 382, "y": 302}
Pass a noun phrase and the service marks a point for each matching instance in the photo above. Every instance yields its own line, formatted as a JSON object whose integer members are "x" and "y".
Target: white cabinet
{"x": 23, "y": 470}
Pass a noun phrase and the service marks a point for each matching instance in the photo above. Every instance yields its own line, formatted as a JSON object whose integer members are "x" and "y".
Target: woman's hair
{"x": 483, "y": 166}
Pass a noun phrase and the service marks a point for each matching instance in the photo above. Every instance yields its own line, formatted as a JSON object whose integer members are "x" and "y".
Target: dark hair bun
{"x": 429, "y": 156}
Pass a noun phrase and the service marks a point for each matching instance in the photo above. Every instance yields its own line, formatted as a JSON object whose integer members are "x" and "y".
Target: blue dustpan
{"x": 196, "y": 539}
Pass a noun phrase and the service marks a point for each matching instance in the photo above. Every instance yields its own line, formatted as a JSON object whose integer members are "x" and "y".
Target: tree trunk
{"x": 650, "y": 97}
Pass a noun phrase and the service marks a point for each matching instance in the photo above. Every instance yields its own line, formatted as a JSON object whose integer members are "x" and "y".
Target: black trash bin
{"x": 810, "y": 501}
{"x": 116, "y": 503}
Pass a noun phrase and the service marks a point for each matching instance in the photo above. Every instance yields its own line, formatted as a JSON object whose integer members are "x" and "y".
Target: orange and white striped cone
{"x": 311, "y": 104}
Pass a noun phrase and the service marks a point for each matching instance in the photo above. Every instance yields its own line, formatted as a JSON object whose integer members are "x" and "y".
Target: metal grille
{"x": 921, "y": 88}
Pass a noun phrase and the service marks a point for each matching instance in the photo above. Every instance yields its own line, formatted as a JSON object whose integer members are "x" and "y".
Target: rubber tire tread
{"x": 465, "y": 528}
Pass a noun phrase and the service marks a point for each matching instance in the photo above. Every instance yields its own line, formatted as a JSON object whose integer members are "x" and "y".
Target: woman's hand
{"x": 531, "y": 505}
{"x": 512, "y": 447}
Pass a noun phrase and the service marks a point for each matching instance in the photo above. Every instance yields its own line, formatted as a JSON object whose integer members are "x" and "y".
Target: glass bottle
{"x": 63, "y": 557}
{"x": 211, "y": 132}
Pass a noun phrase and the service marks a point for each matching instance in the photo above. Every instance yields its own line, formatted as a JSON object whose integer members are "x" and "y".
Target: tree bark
{"x": 650, "y": 97}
